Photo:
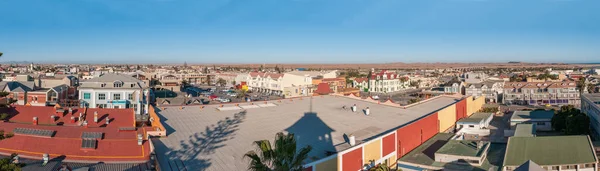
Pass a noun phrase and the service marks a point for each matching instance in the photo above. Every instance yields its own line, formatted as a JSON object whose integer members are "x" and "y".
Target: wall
{"x": 412, "y": 135}
{"x": 352, "y": 161}
{"x": 447, "y": 117}
{"x": 461, "y": 109}
{"x": 330, "y": 164}
{"x": 372, "y": 151}
{"x": 395, "y": 144}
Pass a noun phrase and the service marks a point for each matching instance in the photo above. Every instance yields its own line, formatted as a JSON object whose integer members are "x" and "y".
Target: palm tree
{"x": 282, "y": 156}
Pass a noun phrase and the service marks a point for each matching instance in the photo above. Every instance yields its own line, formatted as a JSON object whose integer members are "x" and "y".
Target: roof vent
{"x": 352, "y": 140}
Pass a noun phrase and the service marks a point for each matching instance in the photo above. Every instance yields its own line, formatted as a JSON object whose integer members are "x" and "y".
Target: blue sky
{"x": 300, "y": 31}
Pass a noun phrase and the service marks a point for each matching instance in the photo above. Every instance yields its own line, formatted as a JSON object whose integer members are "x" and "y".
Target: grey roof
{"x": 109, "y": 78}
{"x": 536, "y": 114}
{"x": 208, "y": 139}
{"x": 525, "y": 130}
{"x": 18, "y": 86}
{"x": 475, "y": 118}
{"x": 488, "y": 83}
{"x": 530, "y": 166}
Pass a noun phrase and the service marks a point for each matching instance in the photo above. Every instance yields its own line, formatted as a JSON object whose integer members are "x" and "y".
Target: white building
{"x": 474, "y": 77}
{"x": 114, "y": 91}
{"x": 590, "y": 105}
{"x": 491, "y": 90}
{"x": 382, "y": 82}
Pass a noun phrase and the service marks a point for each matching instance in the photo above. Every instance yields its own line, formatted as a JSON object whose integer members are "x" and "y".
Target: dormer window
{"x": 132, "y": 85}
{"x": 102, "y": 85}
{"x": 118, "y": 84}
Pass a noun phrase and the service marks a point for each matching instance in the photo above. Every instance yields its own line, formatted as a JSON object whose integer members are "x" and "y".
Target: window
{"x": 102, "y": 96}
{"x": 118, "y": 84}
{"x": 554, "y": 167}
{"x": 541, "y": 123}
{"x": 471, "y": 126}
{"x": 130, "y": 96}
{"x": 86, "y": 96}
{"x": 116, "y": 96}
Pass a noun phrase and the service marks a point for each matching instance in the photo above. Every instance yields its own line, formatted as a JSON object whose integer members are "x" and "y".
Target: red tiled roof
{"x": 360, "y": 80}
{"x": 384, "y": 74}
{"x": 115, "y": 146}
{"x": 323, "y": 88}
{"x": 118, "y": 117}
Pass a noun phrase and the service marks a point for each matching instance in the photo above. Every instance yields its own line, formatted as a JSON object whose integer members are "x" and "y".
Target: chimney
{"x": 46, "y": 158}
{"x": 107, "y": 121}
{"x": 95, "y": 117}
{"x": 479, "y": 145}
{"x": 71, "y": 111}
{"x": 53, "y": 118}
{"x": 352, "y": 140}
{"x": 35, "y": 120}
{"x": 140, "y": 140}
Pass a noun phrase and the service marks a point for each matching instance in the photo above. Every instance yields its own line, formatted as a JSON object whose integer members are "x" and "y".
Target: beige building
{"x": 543, "y": 93}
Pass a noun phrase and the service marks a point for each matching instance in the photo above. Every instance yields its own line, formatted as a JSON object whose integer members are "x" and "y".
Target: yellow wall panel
{"x": 331, "y": 164}
{"x": 470, "y": 105}
{"x": 447, "y": 117}
{"x": 372, "y": 151}
{"x": 392, "y": 160}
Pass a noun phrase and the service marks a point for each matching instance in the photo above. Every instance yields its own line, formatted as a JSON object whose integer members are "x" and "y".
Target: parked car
{"x": 375, "y": 97}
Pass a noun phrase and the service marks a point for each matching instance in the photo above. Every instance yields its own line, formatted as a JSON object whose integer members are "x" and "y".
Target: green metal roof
{"x": 463, "y": 148}
{"x": 536, "y": 114}
{"x": 550, "y": 150}
{"x": 525, "y": 130}
{"x": 475, "y": 118}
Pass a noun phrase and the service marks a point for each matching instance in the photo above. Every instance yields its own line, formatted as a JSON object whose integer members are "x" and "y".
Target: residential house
{"x": 115, "y": 91}
{"x": 491, "y": 90}
{"x": 474, "y": 77}
{"x": 545, "y": 93}
{"x": 382, "y": 82}
{"x": 29, "y": 93}
{"x": 540, "y": 118}
{"x": 268, "y": 83}
{"x": 454, "y": 87}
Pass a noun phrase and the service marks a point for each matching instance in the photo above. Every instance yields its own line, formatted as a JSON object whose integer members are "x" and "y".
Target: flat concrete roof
{"x": 594, "y": 97}
{"x": 536, "y": 114}
{"x": 525, "y": 130}
{"x": 208, "y": 139}
{"x": 475, "y": 118}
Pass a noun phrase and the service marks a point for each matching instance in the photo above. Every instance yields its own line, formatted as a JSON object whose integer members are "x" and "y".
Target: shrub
{"x": 9, "y": 135}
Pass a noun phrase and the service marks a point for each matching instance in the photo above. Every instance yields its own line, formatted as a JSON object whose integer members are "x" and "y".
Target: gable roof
{"x": 18, "y": 86}
{"x": 530, "y": 166}
{"x": 109, "y": 78}
{"x": 550, "y": 150}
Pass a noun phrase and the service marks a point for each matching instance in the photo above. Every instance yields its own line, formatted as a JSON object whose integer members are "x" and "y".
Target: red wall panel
{"x": 388, "y": 144}
{"x": 352, "y": 161}
{"x": 308, "y": 168}
{"x": 461, "y": 109}
{"x": 414, "y": 134}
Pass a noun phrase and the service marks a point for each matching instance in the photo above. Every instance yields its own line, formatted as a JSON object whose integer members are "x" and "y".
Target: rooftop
{"x": 550, "y": 150}
{"x": 594, "y": 97}
{"x": 525, "y": 130}
{"x": 475, "y": 118}
{"x": 536, "y": 114}
{"x": 464, "y": 148}
{"x": 225, "y": 136}
{"x": 66, "y": 141}
{"x": 109, "y": 78}
{"x": 424, "y": 155}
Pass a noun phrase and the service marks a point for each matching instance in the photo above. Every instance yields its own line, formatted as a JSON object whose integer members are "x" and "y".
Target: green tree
{"x": 1, "y": 54}
{"x": 283, "y": 155}
{"x": 233, "y": 82}
{"x": 570, "y": 121}
{"x": 221, "y": 81}
{"x": 581, "y": 84}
